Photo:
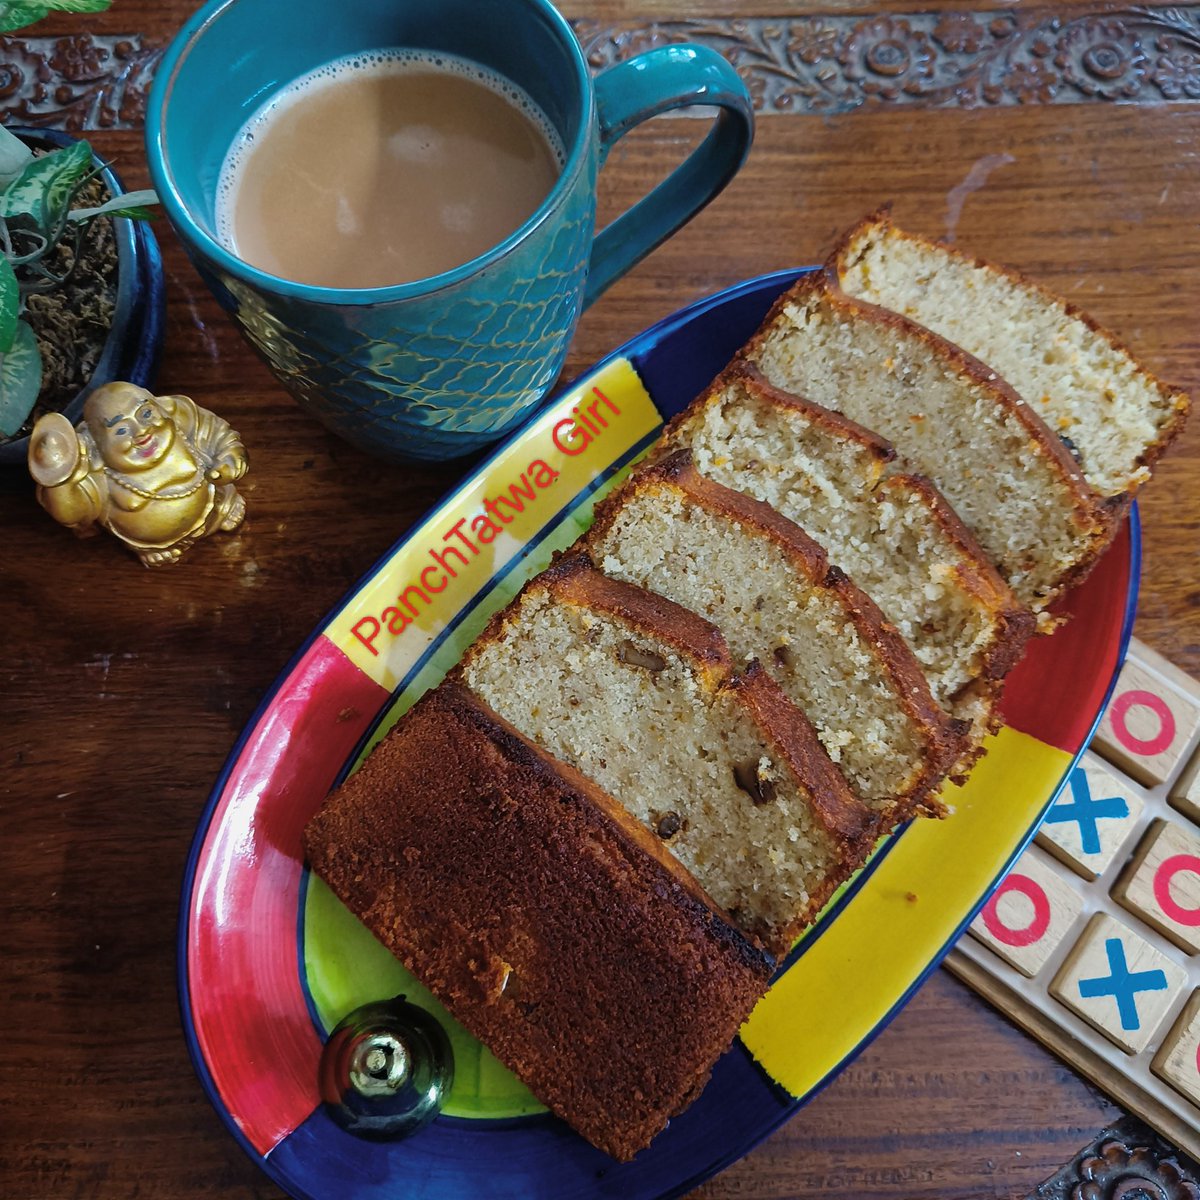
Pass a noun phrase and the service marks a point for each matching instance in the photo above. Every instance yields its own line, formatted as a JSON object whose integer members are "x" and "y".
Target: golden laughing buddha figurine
{"x": 155, "y": 471}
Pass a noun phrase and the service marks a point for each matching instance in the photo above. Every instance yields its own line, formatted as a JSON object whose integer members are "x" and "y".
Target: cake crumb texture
{"x": 950, "y": 418}
{"x": 771, "y": 591}
{"x": 893, "y": 535}
{"x": 1113, "y": 415}
{"x": 640, "y": 695}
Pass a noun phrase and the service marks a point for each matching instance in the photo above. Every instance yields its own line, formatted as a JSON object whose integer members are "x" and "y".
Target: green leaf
{"x": 20, "y": 380}
{"x": 15, "y": 156}
{"x": 18, "y": 14}
{"x": 79, "y": 6}
{"x": 128, "y": 204}
{"x": 44, "y": 187}
{"x": 137, "y": 213}
{"x": 10, "y": 304}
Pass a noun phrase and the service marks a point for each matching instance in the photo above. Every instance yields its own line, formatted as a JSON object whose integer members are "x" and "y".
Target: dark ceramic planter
{"x": 134, "y": 342}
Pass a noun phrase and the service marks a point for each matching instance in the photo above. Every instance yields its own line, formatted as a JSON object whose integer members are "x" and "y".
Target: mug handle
{"x": 631, "y": 92}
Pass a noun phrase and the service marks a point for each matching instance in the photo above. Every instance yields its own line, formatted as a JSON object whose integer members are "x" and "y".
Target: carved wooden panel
{"x": 955, "y": 59}
{"x": 1127, "y": 1161}
{"x": 85, "y": 81}
{"x": 807, "y": 65}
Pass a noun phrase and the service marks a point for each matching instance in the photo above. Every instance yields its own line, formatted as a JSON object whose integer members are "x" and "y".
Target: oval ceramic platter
{"x": 270, "y": 961}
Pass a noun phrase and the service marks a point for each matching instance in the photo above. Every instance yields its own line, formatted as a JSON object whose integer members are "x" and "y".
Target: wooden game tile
{"x": 1028, "y": 915}
{"x": 1147, "y": 724}
{"x": 1162, "y": 883}
{"x": 1091, "y": 820}
{"x": 1118, "y": 983}
{"x": 1185, "y": 795}
{"x": 1178, "y": 1059}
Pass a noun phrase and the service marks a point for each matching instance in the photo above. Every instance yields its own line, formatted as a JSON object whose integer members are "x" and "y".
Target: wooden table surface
{"x": 1063, "y": 141}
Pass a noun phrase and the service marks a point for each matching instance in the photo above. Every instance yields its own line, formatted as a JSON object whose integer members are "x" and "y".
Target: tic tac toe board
{"x": 1092, "y": 941}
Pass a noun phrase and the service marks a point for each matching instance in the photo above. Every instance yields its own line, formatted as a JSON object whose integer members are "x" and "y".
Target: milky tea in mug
{"x": 383, "y": 168}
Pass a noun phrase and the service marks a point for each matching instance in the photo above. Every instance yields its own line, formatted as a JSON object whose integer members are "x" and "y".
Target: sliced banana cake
{"x": 771, "y": 591}
{"x": 640, "y": 695}
{"x": 1113, "y": 414}
{"x": 1013, "y": 483}
{"x": 552, "y": 925}
{"x": 894, "y": 536}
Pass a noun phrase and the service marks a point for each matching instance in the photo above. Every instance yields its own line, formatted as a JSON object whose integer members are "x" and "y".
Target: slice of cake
{"x": 1113, "y": 415}
{"x": 548, "y": 922}
{"x": 640, "y": 696}
{"x": 1014, "y": 484}
{"x": 894, "y": 536}
{"x": 770, "y": 589}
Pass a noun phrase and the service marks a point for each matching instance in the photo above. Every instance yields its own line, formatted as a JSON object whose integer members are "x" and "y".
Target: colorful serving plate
{"x": 269, "y": 960}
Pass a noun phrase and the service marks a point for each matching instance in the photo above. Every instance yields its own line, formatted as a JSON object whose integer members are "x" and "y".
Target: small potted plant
{"x": 81, "y": 289}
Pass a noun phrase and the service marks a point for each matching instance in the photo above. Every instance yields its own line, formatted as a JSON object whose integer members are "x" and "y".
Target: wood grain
{"x": 124, "y": 690}
{"x": 1133, "y": 985}
{"x": 1090, "y": 781}
{"x": 1178, "y": 1060}
{"x": 792, "y": 62}
{"x": 1162, "y": 883}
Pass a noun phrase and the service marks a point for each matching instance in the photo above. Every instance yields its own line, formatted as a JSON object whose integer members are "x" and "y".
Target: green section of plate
{"x": 345, "y": 966}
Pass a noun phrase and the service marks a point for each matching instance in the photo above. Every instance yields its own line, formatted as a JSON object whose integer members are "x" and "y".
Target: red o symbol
{"x": 1167, "y": 870}
{"x": 1038, "y": 924}
{"x": 1119, "y": 711}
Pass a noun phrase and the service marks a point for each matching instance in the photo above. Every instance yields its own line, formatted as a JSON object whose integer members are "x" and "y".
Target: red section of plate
{"x": 250, "y": 863}
{"x": 1058, "y": 706}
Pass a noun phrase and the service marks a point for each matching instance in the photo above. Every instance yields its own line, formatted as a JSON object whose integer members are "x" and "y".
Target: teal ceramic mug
{"x": 434, "y": 369}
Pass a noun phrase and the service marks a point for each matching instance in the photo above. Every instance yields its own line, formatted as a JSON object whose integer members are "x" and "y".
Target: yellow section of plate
{"x": 865, "y": 962}
{"x": 490, "y": 521}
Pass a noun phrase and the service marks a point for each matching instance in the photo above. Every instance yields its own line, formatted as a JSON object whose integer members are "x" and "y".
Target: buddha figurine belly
{"x": 157, "y": 472}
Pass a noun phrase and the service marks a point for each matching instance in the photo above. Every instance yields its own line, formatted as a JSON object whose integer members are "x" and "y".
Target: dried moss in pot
{"x": 71, "y": 325}
{"x": 58, "y": 275}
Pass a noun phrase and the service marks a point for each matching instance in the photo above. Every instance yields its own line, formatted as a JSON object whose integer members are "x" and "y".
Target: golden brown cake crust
{"x": 1015, "y": 623}
{"x": 981, "y": 578}
{"x": 1094, "y": 519}
{"x": 1175, "y": 398}
{"x": 572, "y": 577}
{"x": 943, "y": 737}
{"x": 976, "y": 574}
{"x": 746, "y": 375}
{"x": 576, "y": 580}
{"x": 521, "y": 895}
{"x": 750, "y": 377}
{"x": 853, "y": 826}
{"x": 792, "y": 735}
{"x": 821, "y": 287}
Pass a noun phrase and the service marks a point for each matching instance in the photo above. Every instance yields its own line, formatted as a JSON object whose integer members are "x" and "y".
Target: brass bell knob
{"x": 386, "y": 1070}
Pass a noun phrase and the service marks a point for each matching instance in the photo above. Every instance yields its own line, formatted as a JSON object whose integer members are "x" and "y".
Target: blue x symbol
{"x": 1085, "y": 811}
{"x": 1123, "y": 984}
